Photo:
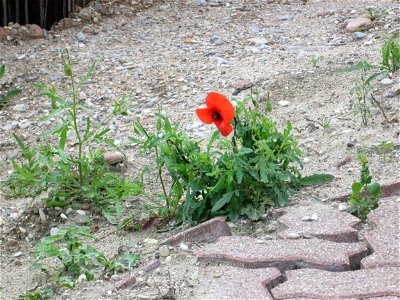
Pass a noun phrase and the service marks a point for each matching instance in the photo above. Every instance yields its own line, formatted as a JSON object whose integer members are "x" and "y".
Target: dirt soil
{"x": 172, "y": 54}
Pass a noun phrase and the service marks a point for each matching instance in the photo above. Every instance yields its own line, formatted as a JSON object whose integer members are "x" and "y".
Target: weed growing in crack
{"x": 324, "y": 122}
{"x": 37, "y": 295}
{"x": 4, "y": 98}
{"x": 314, "y": 60}
{"x": 81, "y": 176}
{"x": 373, "y": 13}
{"x": 256, "y": 168}
{"x": 365, "y": 195}
{"x": 76, "y": 259}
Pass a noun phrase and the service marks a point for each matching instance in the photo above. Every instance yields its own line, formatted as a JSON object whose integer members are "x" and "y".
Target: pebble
{"x": 149, "y": 241}
{"x": 54, "y": 231}
{"x": 81, "y": 37}
{"x": 258, "y": 41}
{"x": 24, "y": 125}
{"x": 81, "y": 212}
{"x": 116, "y": 277}
{"x": 354, "y": 24}
{"x": 216, "y": 40}
{"x": 184, "y": 247}
{"x": 164, "y": 251}
{"x": 395, "y": 91}
{"x": 11, "y": 243}
{"x": 42, "y": 215}
{"x": 343, "y": 206}
{"x": 18, "y": 254}
{"x": 285, "y": 18}
{"x": 386, "y": 81}
{"x": 358, "y": 35}
{"x": 284, "y": 103}
{"x": 293, "y": 236}
{"x": 168, "y": 259}
{"x": 151, "y": 103}
{"x": 20, "y": 107}
{"x": 255, "y": 29}
{"x": 64, "y": 217}
{"x": 203, "y": 3}
{"x": 222, "y": 61}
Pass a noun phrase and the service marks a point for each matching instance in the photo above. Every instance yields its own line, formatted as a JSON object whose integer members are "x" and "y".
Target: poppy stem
{"x": 234, "y": 135}
{"x": 160, "y": 176}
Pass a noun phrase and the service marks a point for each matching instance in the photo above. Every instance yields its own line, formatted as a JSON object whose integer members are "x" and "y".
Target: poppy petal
{"x": 225, "y": 128}
{"x": 205, "y": 115}
{"x": 221, "y": 104}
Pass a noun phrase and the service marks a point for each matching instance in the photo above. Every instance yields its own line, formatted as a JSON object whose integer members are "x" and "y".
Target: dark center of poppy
{"x": 217, "y": 116}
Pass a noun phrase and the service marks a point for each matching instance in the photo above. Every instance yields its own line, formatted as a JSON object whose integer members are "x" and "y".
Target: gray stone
{"x": 81, "y": 37}
{"x": 222, "y": 61}
{"x": 202, "y": 3}
{"x": 285, "y": 18}
{"x": 386, "y": 81}
{"x": 258, "y": 41}
{"x": 20, "y": 108}
{"x": 358, "y": 35}
{"x": 86, "y": 14}
{"x": 255, "y": 29}
{"x": 217, "y": 40}
{"x": 54, "y": 231}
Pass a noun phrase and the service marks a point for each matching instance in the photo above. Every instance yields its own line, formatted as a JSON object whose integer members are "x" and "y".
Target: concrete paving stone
{"x": 319, "y": 220}
{"x": 248, "y": 252}
{"x": 208, "y": 231}
{"x": 227, "y": 282}
{"x": 384, "y": 239}
{"x": 320, "y": 284}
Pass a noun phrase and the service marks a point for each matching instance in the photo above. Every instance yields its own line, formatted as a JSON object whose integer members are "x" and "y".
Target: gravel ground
{"x": 171, "y": 55}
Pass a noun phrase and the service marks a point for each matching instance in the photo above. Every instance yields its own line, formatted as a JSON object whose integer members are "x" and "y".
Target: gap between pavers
{"x": 249, "y": 252}
{"x": 320, "y": 284}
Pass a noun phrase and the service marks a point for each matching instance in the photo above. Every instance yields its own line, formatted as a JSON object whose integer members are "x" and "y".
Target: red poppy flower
{"x": 219, "y": 111}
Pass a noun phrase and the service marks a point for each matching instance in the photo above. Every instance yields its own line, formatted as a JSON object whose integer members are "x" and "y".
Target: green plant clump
{"x": 257, "y": 168}
{"x": 9, "y": 94}
{"x": 37, "y": 295}
{"x": 76, "y": 258}
{"x": 80, "y": 176}
{"x": 391, "y": 53}
{"x": 365, "y": 195}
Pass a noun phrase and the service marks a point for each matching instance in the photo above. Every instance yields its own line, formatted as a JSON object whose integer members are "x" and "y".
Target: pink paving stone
{"x": 35, "y": 32}
{"x": 384, "y": 238}
{"x": 208, "y": 231}
{"x": 248, "y": 252}
{"x": 320, "y": 284}
{"x": 332, "y": 224}
{"x": 227, "y": 282}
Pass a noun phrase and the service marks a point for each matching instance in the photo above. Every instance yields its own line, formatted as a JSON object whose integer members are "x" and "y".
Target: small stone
{"x": 151, "y": 103}
{"x": 113, "y": 158}
{"x": 217, "y": 274}
{"x": 54, "y": 231}
{"x": 358, "y": 35}
{"x": 386, "y": 81}
{"x": 395, "y": 91}
{"x": 342, "y": 207}
{"x": 168, "y": 259}
{"x": 284, "y": 103}
{"x": 64, "y": 217}
{"x": 18, "y": 263}
{"x": 150, "y": 241}
{"x": 81, "y": 212}
{"x": 24, "y": 125}
{"x": 18, "y": 254}
{"x": 355, "y": 24}
{"x": 164, "y": 251}
{"x": 82, "y": 278}
{"x": 293, "y": 236}
{"x": 11, "y": 243}
{"x": 285, "y": 18}
{"x": 202, "y": 3}
{"x": 81, "y": 37}
{"x": 255, "y": 29}
{"x": 184, "y": 247}
{"x": 20, "y": 107}
{"x": 258, "y": 41}
{"x": 306, "y": 160}
{"x": 314, "y": 217}
{"x": 115, "y": 277}
{"x": 222, "y": 61}
{"x": 42, "y": 215}
{"x": 217, "y": 40}
{"x": 86, "y": 14}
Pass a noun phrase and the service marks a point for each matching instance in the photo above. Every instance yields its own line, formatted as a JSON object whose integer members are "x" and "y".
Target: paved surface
{"x": 330, "y": 263}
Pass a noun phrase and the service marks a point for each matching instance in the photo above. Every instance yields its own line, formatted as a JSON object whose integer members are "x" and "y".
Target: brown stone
{"x": 208, "y": 231}
{"x": 226, "y": 282}
{"x": 113, "y": 158}
{"x": 34, "y": 31}
{"x": 319, "y": 284}
{"x": 3, "y": 35}
{"x": 331, "y": 224}
{"x": 355, "y": 24}
{"x": 248, "y": 252}
{"x": 384, "y": 239}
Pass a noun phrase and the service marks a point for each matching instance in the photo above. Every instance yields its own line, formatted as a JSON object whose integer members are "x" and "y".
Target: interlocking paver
{"x": 227, "y": 282}
{"x": 319, "y": 220}
{"x": 285, "y": 254}
{"x": 208, "y": 231}
{"x": 384, "y": 238}
{"x": 320, "y": 284}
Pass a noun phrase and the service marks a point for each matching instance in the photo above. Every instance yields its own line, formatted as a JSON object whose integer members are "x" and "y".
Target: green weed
{"x": 37, "y": 295}
{"x": 391, "y": 53}
{"x": 365, "y": 195}
{"x": 4, "y": 98}
{"x": 374, "y": 14}
{"x": 324, "y": 122}
{"x": 314, "y": 60}
{"x": 76, "y": 258}
{"x": 257, "y": 168}
{"x": 80, "y": 176}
